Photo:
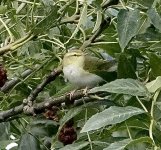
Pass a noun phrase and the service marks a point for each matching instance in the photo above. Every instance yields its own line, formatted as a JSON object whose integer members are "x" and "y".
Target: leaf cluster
{"x": 36, "y": 34}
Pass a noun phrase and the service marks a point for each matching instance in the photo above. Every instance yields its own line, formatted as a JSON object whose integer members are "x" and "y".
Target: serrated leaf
{"x": 75, "y": 146}
{"x": 98, "y": 21}
{"x": 112, "y": 115}
{"x": 127, "y": 26}
{"x": 155, "y": 18}
{"x": 123, "y": 86}
{"x": 120, "y": 145}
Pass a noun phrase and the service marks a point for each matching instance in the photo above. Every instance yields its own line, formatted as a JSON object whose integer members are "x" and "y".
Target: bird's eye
{"x": 75, "y": 55}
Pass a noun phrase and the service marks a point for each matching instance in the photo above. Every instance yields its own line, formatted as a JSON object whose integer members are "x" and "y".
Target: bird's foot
{"x": 71, "y": 94}
{"x": 85, "y": 91}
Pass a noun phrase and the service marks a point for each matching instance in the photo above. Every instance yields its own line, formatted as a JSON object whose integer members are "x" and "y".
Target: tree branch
{"x": 105, "y": 23}
{"x": 8, "y": 85}
{"x": 16, "y": 44}
{"x": 51, "y": 77}
{"x": 40, "y": 107}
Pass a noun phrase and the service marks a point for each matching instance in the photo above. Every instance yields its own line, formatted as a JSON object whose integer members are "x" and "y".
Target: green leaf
{"x": 4, "y": 127}
{"x": 144, "y": 24}
{"x": 70, "y": 114}
{"x": 47, "y": 2}
{"x": 155, "y": 18}
{"x": 127, "y": 26}
{"x": 154, "y": 64}
{"x": 47, "y": 22}
{"x": 3, "y": 9}
{"x": 123, "y": 86}
{"x": 100, "y": 143}
{"x": 154, "y": 85}
{"x": 125, "y": 67}
{"x": 145, "y": 3}
{"x": 28, "y": 142}
{"x": 75, "y": 146}
{"x": 112, "y": 115}
{"x": 140, "y": 140}
{"x": 120, "y": 145}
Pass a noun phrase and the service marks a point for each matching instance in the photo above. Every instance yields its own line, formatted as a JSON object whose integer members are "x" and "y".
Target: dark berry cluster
{"x": 68, "y": 134}
{"x": 3, "y": 76}
{"x": 51, "y": 113}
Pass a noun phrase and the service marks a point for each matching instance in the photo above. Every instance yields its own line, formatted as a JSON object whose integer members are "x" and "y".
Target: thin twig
{"x": 152, "y": 116}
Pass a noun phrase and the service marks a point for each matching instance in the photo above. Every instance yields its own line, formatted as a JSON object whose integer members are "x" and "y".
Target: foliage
{"x": 35, "y": 34}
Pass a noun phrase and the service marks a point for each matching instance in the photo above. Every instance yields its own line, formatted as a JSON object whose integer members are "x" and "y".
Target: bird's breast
{"x": 79, "y": 77}
{"x": 72, "y": 72}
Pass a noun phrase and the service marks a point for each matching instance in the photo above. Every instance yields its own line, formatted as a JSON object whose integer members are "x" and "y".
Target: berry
{"x": 68, "y": 133}
{"x": 3, "y": 76}
{"x": 67, "y": 137}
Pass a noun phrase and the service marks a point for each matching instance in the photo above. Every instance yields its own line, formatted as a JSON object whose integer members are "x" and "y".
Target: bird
{"x": 85, "y": 71}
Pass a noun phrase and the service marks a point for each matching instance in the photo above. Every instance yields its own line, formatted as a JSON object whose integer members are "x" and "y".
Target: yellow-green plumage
{"x": 83, "y": 70}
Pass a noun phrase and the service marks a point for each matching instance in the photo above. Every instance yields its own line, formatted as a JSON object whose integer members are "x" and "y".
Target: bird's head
{"x": 75, "y": 57}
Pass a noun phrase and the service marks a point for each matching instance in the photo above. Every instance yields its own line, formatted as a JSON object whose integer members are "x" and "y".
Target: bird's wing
{"x": 102, "y": 68}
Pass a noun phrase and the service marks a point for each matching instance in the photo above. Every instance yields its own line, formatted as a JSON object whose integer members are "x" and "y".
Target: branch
{"x": 40, "y": 107}
{"x": 16, "y": 44}
{"x": 51, "y": 77}
{"x": 105, "y": 23}
{"x": 29, "y": 36}
{"x": 10, "y": 84}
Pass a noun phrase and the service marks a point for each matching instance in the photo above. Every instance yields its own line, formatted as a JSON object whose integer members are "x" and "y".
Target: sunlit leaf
{"x": 154, "y": 85}
{"x": 112, "y": 115}
{"x": 123, "y": 86}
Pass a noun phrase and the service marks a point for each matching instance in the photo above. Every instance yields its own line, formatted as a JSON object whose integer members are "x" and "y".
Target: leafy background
{"x": 35, "y": 34}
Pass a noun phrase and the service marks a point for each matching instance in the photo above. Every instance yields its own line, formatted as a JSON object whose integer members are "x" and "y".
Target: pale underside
{"x": 81, "y": 78}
